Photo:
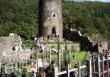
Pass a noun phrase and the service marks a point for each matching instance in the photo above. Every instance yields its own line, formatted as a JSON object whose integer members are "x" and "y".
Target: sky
{"x": 91, "y": 0}
{"x": 105, "y": 0}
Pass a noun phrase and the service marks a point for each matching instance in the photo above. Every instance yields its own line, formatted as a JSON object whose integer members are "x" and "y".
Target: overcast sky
{"x": 105, "y": 0}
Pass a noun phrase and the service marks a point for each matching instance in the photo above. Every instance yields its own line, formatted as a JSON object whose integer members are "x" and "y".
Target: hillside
{"x": 21, "y": 16}
{"x": 89, "y": 18}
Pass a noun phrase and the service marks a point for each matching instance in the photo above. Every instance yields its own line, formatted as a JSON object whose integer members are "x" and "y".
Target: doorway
{"x": 54, "y": 31}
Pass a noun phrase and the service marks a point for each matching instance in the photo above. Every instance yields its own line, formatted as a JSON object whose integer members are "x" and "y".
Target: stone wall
{"x": 21, "y": 55}
{"x": 50, "y": 18}
{"x": 72, "y": 35}
{"x": 70, "y": 46}
{"x": 11, "y": 47}
{"x": 8, "y": 42}
{"x": 86, "y": 43}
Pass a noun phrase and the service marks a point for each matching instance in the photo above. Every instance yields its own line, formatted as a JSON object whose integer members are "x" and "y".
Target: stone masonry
{"x": 11, "y": 48}
{"x": 51, "y": 18}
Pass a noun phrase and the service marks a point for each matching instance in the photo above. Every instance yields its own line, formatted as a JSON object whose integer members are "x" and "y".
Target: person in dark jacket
{"x": 50, "y": 70}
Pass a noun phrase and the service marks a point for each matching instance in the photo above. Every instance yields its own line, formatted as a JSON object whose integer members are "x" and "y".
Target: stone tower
{"x": 50, "y": 18}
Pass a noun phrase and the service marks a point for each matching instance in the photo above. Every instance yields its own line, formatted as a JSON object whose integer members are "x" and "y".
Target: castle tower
{"x": 50, "y": 12}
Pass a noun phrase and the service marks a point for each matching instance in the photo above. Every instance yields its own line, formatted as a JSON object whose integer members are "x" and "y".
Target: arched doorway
{"x": 54, "y": 31}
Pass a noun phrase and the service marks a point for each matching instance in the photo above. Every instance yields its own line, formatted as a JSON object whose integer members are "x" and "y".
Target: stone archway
{"x": 54, "y": 31}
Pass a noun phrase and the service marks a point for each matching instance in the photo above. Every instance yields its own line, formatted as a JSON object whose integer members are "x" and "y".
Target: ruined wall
{"x": 75, "y": 36}
{"x": 71, "y": 35}
{"x": 8, "y": 42}
{"x": 11, "y": 47}
{"x": 62, "y": 46}
{"x": 86, "y": 43}
{"x": 21, "y": 55}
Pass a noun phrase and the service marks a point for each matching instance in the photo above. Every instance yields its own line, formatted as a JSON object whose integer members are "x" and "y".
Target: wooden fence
{"x": 99, "y": 65}
{"x": 77, "y": 72}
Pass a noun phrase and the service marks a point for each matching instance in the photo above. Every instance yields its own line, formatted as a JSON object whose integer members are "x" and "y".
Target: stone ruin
{"x": 8, "y": 43}
{"x": 50, "y": 18}
{"x": 95, "y": 43}
{"x": 11, "y": 48}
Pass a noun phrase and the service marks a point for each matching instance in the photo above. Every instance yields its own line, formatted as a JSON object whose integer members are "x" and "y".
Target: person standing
{"x": 42, "y": 72}
{"x": 33, "y": 74}
{"x": 33, "y": 69}
{"x": 50, "y": 70}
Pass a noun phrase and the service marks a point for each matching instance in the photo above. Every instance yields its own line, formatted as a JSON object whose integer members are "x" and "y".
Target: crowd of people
{"x": 33, "y": 71}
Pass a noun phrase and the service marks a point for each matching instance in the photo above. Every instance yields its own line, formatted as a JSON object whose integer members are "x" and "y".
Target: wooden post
{"x": 3, "y": 69}
{"x": 43, "y": 58}
{"x": 68, "y": 73}
{"x": 58, "y": 54}
{"x": 102, "y": 65}
{"x": 50, "y": 56}
{"x": 79, "y": 69}
{"x": 89, "y": 67}
{"x": 98, "y": 58}
{"x": 55, "y": 71}
{"x": 37, "y": 51}
{"x": 107, "y": 65}
{"x": 93, "y": 63}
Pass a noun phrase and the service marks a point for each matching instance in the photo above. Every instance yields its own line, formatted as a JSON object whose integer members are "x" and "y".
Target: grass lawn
{"x": 78, "y": 56}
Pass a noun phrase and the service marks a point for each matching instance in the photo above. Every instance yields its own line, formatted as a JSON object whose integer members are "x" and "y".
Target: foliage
{"x": 34, "y": 55}
{"x": 89, "y": 18}
{"x": 19, "y": 16}
{"x": 28, "y": 43}
{"x": 78, "y": 56}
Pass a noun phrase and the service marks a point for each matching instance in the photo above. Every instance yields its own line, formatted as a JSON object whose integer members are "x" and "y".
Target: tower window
{"x": 54, "y": 15}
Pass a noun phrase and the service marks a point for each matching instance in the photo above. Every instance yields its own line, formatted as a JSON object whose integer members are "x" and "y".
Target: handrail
{"x": 71, "y": 70}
